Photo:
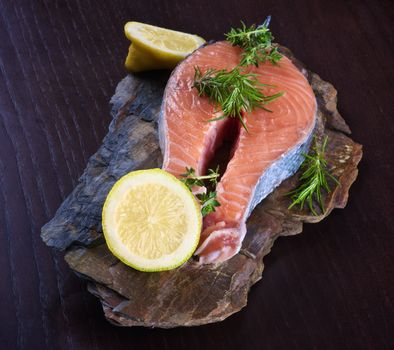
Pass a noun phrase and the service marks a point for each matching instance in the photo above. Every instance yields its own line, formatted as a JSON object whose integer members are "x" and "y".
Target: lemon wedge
{"x": 151, "y": 220}
{"x": 157, "y": 48}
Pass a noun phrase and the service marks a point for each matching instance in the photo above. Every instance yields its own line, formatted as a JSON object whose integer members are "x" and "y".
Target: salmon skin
{"x": 262, "y": 157}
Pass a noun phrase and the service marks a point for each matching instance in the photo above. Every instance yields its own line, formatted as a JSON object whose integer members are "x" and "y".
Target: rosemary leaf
{"x": 233, "y": 91}
{"x": 257, "y": 43}
{"x": 313, "y": 179}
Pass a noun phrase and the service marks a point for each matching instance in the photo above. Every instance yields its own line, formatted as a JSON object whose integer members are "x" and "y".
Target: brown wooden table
{"x": 330, "y": 288}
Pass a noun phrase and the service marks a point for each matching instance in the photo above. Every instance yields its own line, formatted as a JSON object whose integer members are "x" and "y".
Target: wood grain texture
{"x": 332, "y": 287}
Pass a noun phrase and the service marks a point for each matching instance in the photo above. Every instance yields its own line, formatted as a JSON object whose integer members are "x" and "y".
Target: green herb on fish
{"x": 313, "y": 179}
{"x": 207, "y": 200}
{"x": 190, "y": 178}
{"x": 235, "y": 92}
{"x": 257, "y": 43}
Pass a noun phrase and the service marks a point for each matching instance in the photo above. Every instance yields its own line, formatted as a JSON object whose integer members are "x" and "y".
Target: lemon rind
{"x": 108, "y": 240}
{"x": 154, "y": 49}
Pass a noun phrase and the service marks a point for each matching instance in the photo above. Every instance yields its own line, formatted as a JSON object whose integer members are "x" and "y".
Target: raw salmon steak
{"x": 262, "y": 157}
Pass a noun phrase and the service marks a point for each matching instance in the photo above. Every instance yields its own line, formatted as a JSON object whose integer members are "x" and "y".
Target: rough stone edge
{"x": 339, "y": 199}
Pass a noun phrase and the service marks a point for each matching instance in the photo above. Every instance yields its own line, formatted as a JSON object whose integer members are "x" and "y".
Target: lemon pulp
{"x": 164, "y": 39}
{"x": 151, "y": 221}
{"x": 148, "y": 214}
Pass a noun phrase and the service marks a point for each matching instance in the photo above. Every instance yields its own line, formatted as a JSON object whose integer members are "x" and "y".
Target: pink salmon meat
{"x": 261, "y": 159}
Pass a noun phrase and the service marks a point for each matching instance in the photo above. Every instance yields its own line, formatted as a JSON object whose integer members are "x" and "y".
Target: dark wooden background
{"x": 330, "y": 288}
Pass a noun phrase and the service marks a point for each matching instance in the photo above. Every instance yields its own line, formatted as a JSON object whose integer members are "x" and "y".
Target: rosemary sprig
{"x": 233, "y": 91}
{"x": 207, "y": 200}
{"x": 313, "y": 179}
{"x": 257, "y": 43}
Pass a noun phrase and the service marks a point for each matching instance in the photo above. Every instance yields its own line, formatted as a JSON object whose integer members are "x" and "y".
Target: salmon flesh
{"x": 262, "y": 157}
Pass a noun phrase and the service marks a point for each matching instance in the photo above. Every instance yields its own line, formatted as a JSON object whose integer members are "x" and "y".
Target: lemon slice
{"x": 151, "y": 220}
{"x": 157, "y": 48}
